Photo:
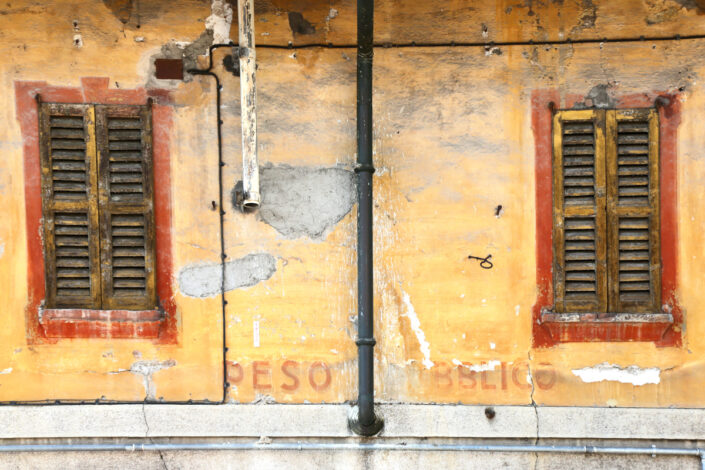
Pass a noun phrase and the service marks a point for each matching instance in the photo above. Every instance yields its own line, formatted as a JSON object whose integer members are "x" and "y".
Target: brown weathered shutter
{"x": 69, "y": 204}
{"x": 579, "y": 211}
{"x": 633, "y": 210}
{"x": 124, "y": 136}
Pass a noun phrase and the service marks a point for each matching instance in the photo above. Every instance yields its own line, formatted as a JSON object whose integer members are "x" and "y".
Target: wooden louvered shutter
{"x": 580, "y": 269}
{"x": 124, "y": 136}
{"x": 633, "y": 210}
{"x": 69, "y": 204}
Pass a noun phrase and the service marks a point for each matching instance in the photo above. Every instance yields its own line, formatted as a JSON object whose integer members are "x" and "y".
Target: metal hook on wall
{"x": 485, "y": 262}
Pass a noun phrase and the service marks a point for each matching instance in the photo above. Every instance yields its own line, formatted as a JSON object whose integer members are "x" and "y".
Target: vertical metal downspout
{"x": 363, "y": 420}
{"x": 248, "y": 108}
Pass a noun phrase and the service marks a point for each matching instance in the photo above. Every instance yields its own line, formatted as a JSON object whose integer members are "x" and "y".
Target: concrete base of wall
{"x": 262, "y": 460}
{"x": 313, "y": 424}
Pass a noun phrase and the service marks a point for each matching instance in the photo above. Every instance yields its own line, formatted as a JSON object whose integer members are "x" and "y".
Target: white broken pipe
{"x": 248, "y": 114}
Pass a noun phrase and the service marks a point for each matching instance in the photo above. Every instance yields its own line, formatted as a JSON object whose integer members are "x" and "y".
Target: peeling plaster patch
{"x": 598, "y": 97}
{"x": 416, "y": 328}
{"x": 492, "y": 50}
{"x": 263, "y": 399}
{"x": 6, "y": 371}
{"x": 220, "y": 20}
{"x": 587, "y": 18}
{"x": 204, "y": 280}
{"x": 305, "y": 201}
{"x": 634, "y": 375}
{"x": 489, "y": 366}
{"x": 146, "y": 369}
{"x": 189, "y": 52}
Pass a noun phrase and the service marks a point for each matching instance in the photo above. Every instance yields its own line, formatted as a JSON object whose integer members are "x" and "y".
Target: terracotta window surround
{"x": 549, "y": 328}
{"x": 49, "y": 325}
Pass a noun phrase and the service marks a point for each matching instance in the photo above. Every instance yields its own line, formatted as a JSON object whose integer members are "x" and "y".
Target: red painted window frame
{"x": 551, "y": 333}
{"x": 80, "y": 323}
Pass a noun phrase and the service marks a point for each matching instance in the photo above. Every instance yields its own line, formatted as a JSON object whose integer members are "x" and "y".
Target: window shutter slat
{"x": 126, "y": 207}
{"x": 579, "y": 215}
{"x": 633, "y": 210}
{"x": 69, "y": 186}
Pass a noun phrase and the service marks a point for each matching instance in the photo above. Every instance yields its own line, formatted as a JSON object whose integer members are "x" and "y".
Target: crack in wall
{"x": 533, "y": 405}
{"x": 147, "y": 436}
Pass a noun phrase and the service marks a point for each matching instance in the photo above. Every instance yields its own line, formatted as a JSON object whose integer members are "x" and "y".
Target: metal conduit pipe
{"x": 221, "y": 210}
{"x": 363, "y": 419}
{"x": 304, "y": 446}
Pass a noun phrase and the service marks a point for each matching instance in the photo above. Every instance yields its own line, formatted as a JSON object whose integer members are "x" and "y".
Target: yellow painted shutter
{"x": 124, "y": 136}
{"x": 69, "y": 205}
{"x": 633, "y": 210}
{"x": 580, "y": 255}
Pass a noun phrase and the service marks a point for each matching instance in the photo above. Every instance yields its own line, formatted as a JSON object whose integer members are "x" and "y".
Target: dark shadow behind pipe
{"x": 363, "y": 420}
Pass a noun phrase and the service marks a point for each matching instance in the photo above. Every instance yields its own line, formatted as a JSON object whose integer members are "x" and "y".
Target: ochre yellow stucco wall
{"x": 453, "y": 140}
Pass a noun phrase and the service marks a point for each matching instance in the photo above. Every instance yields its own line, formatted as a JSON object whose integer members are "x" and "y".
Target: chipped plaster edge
{"x": 401, "y": 420}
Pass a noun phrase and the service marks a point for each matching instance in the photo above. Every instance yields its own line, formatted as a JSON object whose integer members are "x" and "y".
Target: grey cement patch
{"x": 203, "y": 280}
{"x": 305, "y": 201}
{"x": 147, "y": 369}
{"x": 187, "y": 52}
{"x": 597, "y": 97}
{"x": 190, "y": 52}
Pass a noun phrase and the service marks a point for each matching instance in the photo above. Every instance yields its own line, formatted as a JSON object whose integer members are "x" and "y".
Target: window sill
{"x": 88, "y": 323}
{"x": 585, "y": 327}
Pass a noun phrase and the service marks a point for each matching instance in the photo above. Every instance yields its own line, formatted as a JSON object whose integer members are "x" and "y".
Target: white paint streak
{"x": 517, "y": 309}
{"x": 605, "y": 371}
{"x": 255, "y": 333}
{"x": 488, "y": 366}
{"x": 2, "y": 248}
{"x": 6, "y": 371}
{"x": 492, "y": 345}
{"x": 416, "y": 328}
{"x": 219, "y": 21}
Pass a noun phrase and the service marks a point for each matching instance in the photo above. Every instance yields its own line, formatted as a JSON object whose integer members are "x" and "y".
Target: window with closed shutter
{"x": 606, "y": 211}
{"x": 97, "y": 197}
